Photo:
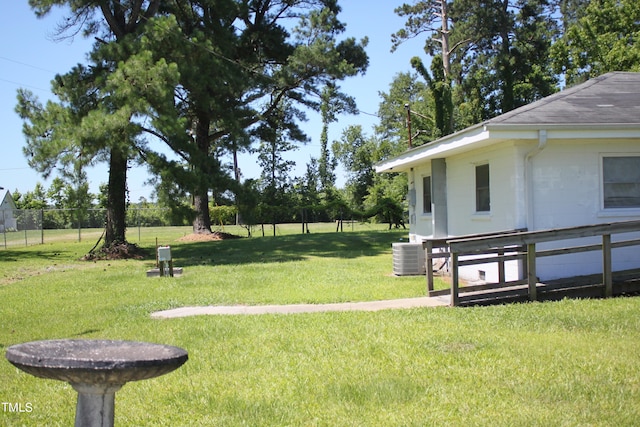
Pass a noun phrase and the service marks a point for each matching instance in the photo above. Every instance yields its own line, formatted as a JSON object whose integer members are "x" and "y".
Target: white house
{"x": 572, "y": 158}
{"x": 7, "y": 206}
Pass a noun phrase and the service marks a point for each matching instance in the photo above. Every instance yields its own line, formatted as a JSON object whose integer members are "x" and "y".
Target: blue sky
{"x": 30, "y": 59}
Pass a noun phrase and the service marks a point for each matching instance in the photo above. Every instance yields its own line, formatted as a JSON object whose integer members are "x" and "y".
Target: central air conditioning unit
{"x": 408, "y": 259}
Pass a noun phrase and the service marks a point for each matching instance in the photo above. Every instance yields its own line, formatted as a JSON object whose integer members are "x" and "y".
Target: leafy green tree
{"x": 275, "y": 176}
{"x": 263, "y": 65}
{"x": 147, "y": 79}
{"x": 36, "y": 199}
{"x": 356, "y": 152}
{"x": 247, "y": 200}
{"x": 308, "y": 190}
{"x": 326, "y": 164}
{"x": 332, "y": 103}
{"x": 507, "y": 62}
{"x": 432, "y": 17}
{"x": 601, "y": 36}
{"x": 93, "y": 121}
{"x": 487, "y": 57}
{"x": 405, "y": 89}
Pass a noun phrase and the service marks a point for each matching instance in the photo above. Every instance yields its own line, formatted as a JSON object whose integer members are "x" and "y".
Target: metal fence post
{"x": 4, "y": 229}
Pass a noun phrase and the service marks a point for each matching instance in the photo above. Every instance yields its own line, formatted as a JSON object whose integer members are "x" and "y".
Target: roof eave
{"x": 488, "y": 133}
{"x": 434, "y": 149}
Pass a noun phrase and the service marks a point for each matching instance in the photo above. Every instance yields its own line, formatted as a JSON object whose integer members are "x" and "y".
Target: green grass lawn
{"x": 567, "y": 363}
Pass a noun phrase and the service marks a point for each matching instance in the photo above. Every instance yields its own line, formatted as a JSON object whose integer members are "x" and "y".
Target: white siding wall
{"x": 506, "y": 188}
{"x": 421, "y": 226}
{"x": 506, "y": 181}
{"x": 506, "y": 178}
{"x": 568, "y": 192}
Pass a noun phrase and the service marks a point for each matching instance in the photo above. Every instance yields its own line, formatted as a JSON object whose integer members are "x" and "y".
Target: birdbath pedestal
{"x": 96, "y": 369}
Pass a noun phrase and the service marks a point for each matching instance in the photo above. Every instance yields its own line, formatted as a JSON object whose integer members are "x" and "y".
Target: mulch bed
{"x": 133, "y": 251}
{"x": 119, "y": 251}
{"x": 208, "y": 237}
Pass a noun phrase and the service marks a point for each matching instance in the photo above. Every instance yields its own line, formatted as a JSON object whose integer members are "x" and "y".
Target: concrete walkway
{"x": 439, "y": 301}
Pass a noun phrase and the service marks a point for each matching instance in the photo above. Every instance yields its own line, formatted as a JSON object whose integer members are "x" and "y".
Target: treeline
{"x": 62, "y": 206}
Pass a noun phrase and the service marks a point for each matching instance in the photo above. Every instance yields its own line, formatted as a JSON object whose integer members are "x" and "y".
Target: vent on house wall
{"x": 408, "y": 259}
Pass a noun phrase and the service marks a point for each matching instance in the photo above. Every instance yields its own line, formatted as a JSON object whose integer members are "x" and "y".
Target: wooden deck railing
{"x": 511, "y": 245}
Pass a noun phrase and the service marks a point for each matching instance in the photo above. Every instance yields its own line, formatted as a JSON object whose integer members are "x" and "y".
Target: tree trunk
{"x": 202, "y": 220}
{"x": 115, "y": 228}
{"x": 444, "y": 39}
{"x": 504, "y": 65}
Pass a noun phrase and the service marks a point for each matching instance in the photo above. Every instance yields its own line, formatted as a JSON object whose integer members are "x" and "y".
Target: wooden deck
{"x": 521, "y": 245}
{"x": 624, "y": 283}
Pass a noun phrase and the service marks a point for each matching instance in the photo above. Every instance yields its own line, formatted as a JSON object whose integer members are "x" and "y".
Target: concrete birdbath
{"x": 96, "y": 369}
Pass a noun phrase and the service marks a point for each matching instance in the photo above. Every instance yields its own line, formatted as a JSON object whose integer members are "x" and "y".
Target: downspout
{"x": 411, "y": 196}
{"x": 528, "y": 176}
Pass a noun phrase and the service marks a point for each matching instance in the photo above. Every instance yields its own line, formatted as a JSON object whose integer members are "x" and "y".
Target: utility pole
{"x": 408, "y": 107}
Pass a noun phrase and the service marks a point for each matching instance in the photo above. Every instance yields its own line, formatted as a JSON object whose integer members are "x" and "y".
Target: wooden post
{"x": 607, "y": 275}
{"x": 408, "y": 107}
{"x": 523, "y": 261}
{"x": 531, "y": 271}
{"x": 454, "y": 279}
{"x": 501, "y": 274}
{"x": 428, "y": 248}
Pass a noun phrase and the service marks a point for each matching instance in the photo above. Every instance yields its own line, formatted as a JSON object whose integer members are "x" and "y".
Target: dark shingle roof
{"x": 613, "y": 98}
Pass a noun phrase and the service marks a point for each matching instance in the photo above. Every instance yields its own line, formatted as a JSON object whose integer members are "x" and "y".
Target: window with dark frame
{"x": 621, "y": 182}
{"x": 483, "y": 197}
{"x": 426, "y": 194}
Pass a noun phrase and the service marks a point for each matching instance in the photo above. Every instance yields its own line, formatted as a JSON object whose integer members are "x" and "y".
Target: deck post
{"x": 523, "y": 262}
{"x": 531, "y": 271}
{"x": 501, "y": 274}
{"x": 428, "y": 247}
{"x": 454, "y": 279}
{"x": 607, "y": 276}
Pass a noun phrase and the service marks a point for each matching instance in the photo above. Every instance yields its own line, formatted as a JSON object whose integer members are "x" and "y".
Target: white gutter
{"x": 528, "y": 176}
{"x": 443, "y": 147}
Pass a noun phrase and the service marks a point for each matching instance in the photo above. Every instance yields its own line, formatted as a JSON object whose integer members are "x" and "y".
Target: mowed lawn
{"x": 567, "y": 363}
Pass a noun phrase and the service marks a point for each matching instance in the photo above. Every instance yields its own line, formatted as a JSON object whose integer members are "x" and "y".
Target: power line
{"x": 26, "y": 65}
{"x": 24, "y": 85}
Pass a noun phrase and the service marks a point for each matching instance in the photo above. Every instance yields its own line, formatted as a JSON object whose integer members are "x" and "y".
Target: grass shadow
{"x": 287, "y": 248}
{"x": 9, "y": 255}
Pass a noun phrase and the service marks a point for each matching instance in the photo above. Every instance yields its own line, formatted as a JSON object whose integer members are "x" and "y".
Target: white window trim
{"x": 424, "y": 214}
{"x": 612, "y": 212}
{"x": 476, "y": 213}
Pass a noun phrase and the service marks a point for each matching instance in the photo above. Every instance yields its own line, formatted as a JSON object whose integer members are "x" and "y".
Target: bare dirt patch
{"x": 208, "y": 237}
{"x": 116, "y": 251}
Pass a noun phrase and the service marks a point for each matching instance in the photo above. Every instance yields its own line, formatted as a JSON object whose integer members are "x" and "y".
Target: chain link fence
{"x": 24, "y": 227}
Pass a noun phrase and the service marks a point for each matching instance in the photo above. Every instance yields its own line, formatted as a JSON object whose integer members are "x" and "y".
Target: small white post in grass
{"x": 165, "y": 263}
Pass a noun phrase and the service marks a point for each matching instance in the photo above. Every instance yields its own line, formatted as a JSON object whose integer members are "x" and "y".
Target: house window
{"x": 621, "y": 182}
{"x": 483, "y": 200}
{"x": 426, "y": 194}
